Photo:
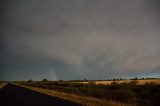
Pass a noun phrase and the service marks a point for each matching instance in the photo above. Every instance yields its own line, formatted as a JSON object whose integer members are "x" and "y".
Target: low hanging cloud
{"x": 82, "y": 39}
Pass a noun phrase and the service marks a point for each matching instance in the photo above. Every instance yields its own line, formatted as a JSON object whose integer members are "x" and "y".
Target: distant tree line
{"x": 86, "y": 80}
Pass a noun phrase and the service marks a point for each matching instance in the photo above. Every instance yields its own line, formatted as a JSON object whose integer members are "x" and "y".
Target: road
{"x": 13, "y": 95}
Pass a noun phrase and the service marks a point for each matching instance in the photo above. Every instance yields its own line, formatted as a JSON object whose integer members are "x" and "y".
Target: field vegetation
{"x": 140, "y": 82}
{"x": 2, "y": 84}
{"x": 131, "y": 93}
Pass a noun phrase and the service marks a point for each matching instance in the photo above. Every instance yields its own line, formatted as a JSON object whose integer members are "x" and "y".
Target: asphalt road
{"x": 13, "y": 95}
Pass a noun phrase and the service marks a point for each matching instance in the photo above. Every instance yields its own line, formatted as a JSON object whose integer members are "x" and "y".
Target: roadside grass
{"x": 83, "y": 100}
{"x": 92, "y": 94}
{"x": 2, "y": 85}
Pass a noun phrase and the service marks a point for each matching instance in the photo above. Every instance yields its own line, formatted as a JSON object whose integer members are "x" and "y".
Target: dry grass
{"x": 2, "y": 85}
{"x": 141, "y": 82}
{"x": 85, "y": 101}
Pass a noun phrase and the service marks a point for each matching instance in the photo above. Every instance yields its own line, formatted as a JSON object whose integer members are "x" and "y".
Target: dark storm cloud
{"x": 73, "y": 39}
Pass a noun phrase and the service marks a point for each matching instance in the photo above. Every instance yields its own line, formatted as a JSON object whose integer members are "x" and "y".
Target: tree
{"x": 136, "y": 78}
{"x": 44, "y": 80}
{"x": 30, "y": 80}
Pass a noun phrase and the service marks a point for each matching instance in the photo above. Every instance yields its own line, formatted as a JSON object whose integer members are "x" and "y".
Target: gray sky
{"x": 77, "y": 39}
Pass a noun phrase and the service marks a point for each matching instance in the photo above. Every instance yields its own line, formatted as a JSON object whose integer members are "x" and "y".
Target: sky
{"x": 79, "y": 39}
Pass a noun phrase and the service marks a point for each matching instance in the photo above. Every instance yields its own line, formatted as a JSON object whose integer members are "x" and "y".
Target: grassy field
{"x": 132, "y": 93}
{"x": 140, "y": 82}
{"x": 84, "y": 100}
